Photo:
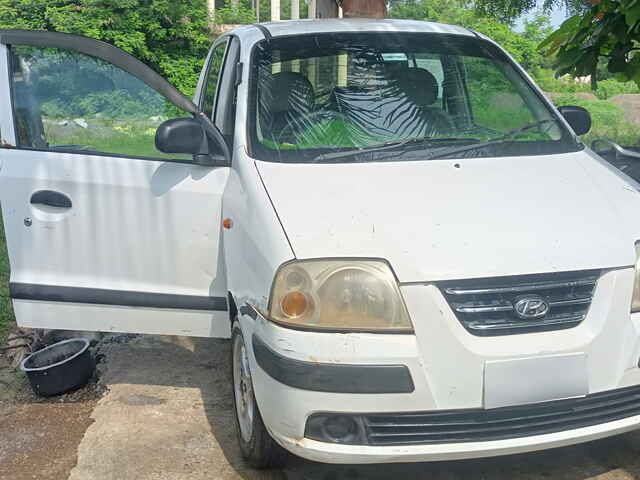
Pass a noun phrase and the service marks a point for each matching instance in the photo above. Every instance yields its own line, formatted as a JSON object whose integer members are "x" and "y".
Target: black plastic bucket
{"x": 60, "y": 367}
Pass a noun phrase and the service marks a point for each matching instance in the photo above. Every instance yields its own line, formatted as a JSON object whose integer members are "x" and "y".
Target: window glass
{"x": 211, "y": 85}
{"x": 433, "y": 64}
{"x": 496, "y": 101}
{"x": 320, "y": 94}
{"x": 67, "y": 101}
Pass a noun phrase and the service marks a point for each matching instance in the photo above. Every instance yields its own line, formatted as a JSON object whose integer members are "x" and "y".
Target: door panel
{"x": 103, "y": 232}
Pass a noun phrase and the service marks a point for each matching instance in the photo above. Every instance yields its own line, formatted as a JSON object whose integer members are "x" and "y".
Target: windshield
{"x": 315, "y": 97}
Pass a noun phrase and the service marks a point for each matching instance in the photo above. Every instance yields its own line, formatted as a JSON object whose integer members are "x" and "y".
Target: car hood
{"x": 455, "y": 219}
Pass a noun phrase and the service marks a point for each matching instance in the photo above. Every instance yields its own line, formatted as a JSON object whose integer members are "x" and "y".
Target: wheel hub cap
{"x": 243, "y": 390}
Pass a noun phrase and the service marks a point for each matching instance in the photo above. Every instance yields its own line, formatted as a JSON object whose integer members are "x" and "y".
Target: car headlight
{"x": 361, "y": 295}
{"x": 635, "y": 300}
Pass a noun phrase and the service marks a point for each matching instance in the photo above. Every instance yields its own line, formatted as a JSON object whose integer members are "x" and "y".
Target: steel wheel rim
{"x": 243, "y": 389}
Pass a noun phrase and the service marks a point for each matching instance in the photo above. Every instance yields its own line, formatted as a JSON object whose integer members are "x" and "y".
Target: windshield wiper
{"x": 507, "y": 137}
{"x": 391, "y": 146}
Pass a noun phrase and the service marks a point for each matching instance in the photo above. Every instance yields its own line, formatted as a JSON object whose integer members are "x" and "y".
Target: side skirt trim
{"x": 126, "y": 298}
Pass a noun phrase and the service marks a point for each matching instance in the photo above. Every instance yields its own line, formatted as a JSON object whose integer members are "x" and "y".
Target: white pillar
{"x": 295, "y": 15}
{"x": 211, "y": 12}
{"x": 275, "y": 10}
{"x": 312, "y": 8}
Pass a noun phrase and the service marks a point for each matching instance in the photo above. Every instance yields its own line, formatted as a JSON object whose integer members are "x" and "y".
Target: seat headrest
{"x": 420, "y": 86}
{"x": 287, "y": 91}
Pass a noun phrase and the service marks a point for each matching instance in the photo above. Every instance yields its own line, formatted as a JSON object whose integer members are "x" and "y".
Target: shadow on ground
{"x": 173, "y": 397}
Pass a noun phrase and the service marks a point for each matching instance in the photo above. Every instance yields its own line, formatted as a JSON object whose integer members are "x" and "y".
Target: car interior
{"x": 396, "y": 101}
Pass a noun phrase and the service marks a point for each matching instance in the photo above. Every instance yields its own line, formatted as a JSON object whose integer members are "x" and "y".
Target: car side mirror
{"x": 577, "y": 117}
{"x": 187, "y": 135}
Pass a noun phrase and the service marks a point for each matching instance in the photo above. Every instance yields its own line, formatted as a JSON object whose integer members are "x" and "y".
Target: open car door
{"x": 104, "y": 232}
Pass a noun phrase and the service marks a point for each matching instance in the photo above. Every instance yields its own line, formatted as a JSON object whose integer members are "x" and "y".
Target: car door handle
{"x": 51, "y": 198}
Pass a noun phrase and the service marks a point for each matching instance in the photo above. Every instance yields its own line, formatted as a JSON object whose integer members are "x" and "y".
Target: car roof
{"x": 334, "y": 25}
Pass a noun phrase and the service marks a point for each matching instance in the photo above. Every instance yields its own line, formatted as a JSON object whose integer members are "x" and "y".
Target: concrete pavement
{"x": 169, "y": 415}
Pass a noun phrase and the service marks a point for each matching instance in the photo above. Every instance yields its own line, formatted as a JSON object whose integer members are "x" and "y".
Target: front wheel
{"x": 256, "y": 445}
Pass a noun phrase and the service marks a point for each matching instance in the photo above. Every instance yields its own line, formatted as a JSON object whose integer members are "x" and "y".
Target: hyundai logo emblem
{"x": 530, "y": 307}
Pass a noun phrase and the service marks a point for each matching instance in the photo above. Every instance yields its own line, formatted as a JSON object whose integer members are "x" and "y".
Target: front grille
{"x": 486, "y": 306}
{"x": 502, "y": 423}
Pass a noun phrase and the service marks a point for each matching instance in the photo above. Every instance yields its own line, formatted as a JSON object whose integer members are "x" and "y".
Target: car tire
{"x": 256, "y": 445}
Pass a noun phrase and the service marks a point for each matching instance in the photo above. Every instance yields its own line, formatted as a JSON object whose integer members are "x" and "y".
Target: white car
{"x": 414, "y": 255}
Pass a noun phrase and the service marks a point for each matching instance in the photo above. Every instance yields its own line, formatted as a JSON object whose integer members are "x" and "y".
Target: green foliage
{"x": 235, "y": 14}
{"x": 458, "y": 12}
{"x": 546, "y": 79}
{"x": 509, "y": 10}
{"x": 171, "y": 37}
{"x": 606, "y": 89}
{"x": 126, "y": 137}
{"x": 523, "y": 49}
{"x": 6, "y": 312}
{"x": 489, "y": 93}
{"x": 608, "y": 29}
{"x": 612, "y": 87}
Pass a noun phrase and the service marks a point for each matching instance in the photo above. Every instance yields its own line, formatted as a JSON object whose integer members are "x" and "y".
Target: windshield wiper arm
{"x": 390, "y": 146}
{"x": 507, "y": 137}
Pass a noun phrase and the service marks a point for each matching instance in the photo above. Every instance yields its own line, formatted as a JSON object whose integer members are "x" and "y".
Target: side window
{"x": 64, "y": 100}
{"x": 495, "y": 102}
{"x": 433, "y": 65}
{"x": 208, "y": 98}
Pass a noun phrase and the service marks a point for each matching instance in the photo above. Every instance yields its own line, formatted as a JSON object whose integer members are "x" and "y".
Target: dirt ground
{"x": 163, "y": 410}
{"x": 31, "y": 428}
{"x": 630, "y": 104}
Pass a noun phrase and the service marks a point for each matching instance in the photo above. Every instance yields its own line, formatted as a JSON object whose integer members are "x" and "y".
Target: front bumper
{"x": 447, "y": 366}
{"x": 357, "y": 454}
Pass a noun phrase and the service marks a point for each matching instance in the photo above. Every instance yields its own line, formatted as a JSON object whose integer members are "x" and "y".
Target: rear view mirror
{"x": 578, "y": 118}
{"x": 181, "y": 135}
{"x": 187, "y": 135}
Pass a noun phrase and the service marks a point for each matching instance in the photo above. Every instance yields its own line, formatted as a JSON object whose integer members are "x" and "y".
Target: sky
{"x": 558, "y": 15}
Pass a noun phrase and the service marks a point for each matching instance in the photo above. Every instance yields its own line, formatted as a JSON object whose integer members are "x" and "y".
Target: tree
{"x": 523, "y": 47}
{"x": 170, "y": 36}
{"x": 509, "y": 10}
{"x": 608, "y": 29}
{"x": 600, "y": 40}
{"x": 457, "y": 12}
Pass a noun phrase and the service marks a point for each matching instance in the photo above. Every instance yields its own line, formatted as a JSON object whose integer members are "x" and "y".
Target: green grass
{"x": 608, "y": 120}
{"x": 132, "y": 137}
{"x": 6, "y": 312}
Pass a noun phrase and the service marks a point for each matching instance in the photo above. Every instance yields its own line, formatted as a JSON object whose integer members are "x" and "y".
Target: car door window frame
{"x": 7, "y": 121}
{"x": 96, "y": 49}
{"x": 217, "y": 44}
{"x": 226, "y": 94}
